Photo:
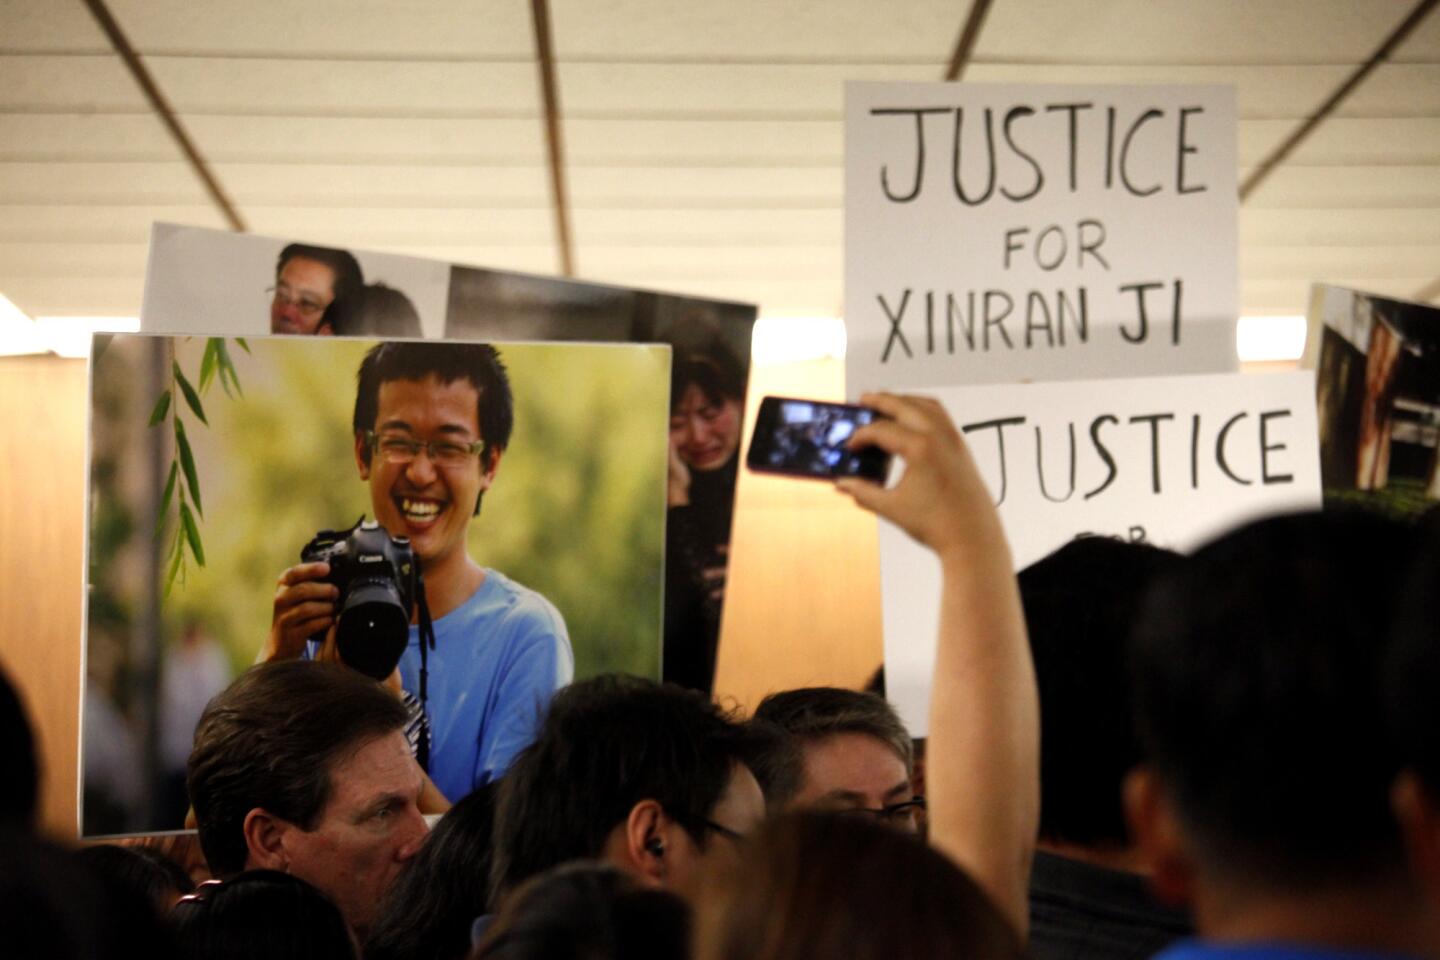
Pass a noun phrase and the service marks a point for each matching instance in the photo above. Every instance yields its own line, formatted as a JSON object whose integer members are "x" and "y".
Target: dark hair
{"x": 429, "y": 909}
{"x": 716, "y": 372}
{"x": 479, "y": 363}
{"x": 1080, "y": 605}
{"x": 374, "y": 310}
{"x": 823, "y": 885}
{"x": 778, "y": 762}
{"x": 587, "y": 911}
{"x": 1412, "y": 677}
{"x": 270, "y": 739}
{"x": 606, "y": 744}
{"x": 348, "y": 276}
{"x": 1255, "y": 670}
{"x": 261, "y": 913}
{"x": 56, "y": 906}
{"x": 813, "y": 713}
{"x": 146, "y": 871}
{"x": 17, "y": 759}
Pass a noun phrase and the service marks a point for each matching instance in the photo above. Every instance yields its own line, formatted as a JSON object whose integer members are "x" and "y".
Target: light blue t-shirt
{"x": 498, "y": 658}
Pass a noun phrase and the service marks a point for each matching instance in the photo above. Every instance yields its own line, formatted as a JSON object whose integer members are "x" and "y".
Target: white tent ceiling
{"x": 703, "y": 141}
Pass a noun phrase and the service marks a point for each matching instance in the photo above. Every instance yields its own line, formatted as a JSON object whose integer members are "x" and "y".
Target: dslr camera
{"x": 379, "y": 580}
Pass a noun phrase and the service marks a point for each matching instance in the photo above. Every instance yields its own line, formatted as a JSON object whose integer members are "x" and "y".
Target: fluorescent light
{"x": 795, "y": 339}
{"x": 18, "y": 334}
{"x": 1259, "y": 339}
{"x": 70, "y": 336}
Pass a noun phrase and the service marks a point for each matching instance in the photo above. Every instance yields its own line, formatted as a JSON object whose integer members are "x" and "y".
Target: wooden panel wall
{"x": 803, "y": 597}
{"x": 42, "y": 501}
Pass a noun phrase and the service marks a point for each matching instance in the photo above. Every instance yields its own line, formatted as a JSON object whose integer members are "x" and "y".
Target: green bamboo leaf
{"x": 163, "y": 513}
{"x": 192, "y": 399}
{"x": 243, "y": 345}
{"x": 187, "y": 463}
{"x": 175, "y": 557}
{"x": 228, "y": 376}
{"x": 162, "y": 407}
{"x": 192, "y": 533}
{"x": 207, "y": 364}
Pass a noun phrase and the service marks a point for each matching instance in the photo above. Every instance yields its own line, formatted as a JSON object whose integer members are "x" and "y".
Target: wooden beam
{"x": 162, "y": 108}
{"x": 969, "y": 35}
{"x": 545, "y": 60}
{"x": 1283, "y": 151}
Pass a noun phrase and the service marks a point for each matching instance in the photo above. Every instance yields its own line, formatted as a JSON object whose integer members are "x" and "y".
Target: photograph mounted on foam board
{"x": 215, "y": 462}
{"x": 1377, "y": 391}
{"x": 226, "y": 284}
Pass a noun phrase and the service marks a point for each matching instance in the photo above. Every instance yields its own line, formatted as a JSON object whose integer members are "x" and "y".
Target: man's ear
{"x": 1158, "y": 836}
{"x": 265, "y": 840}
{"x": 490, "y": 466}
{"x": 643, "y": 842}
{"x": 363, "y": 453}
{"x": 1416, "y": 810}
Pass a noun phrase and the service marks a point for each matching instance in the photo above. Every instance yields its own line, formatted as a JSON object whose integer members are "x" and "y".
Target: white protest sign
{"x": 1172, "y": 460}
{"x": 1003, "y": 233}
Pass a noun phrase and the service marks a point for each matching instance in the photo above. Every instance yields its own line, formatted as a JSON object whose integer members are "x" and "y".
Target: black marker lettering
{"x": 1104, "y": 453}
{"x": 999, "y": 426}
{"x": 1010, "y": 117}
{"x": 1266, "y": 447}
{"x": 919, "y": 114}
{"x": 895, "y": 333}
{"x": 1220, "y": 448}
{"x": 1154, "y": 420}
{"x": 1148, "y": 115}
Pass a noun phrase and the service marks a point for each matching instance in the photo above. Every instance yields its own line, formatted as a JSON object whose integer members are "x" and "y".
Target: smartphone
{"x": 806, "y": 438}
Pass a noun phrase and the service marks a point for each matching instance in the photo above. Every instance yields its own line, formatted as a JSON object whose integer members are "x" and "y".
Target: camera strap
{"x": 427, "y": 643}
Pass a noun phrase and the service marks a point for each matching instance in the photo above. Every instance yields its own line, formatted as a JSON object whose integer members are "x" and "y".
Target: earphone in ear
{"x": 656, "y": 846}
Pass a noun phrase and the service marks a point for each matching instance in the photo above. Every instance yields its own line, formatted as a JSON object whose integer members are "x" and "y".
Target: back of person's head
{"x": 150, "y": 874}
{"x": 21, "y": 782}
{"x": 348, "y": 276}
{"x": 587, "y": 911}
{"x": 269, "y": 741}
{"x": 430, "y": 908}
{"x": 56, "y": 906}
{"x": 826, "y": 886}
{"x": 260, "y": 913}
{"x": 777, "y": 761}
{"x": 811, "y": 714}
{"x": 1412, "y": 681}
{"x": 1080, "y": 605}
{"x": 375, "y": 310}
{"x": 1256, "y": 667}
{"x": 606, "y": 744}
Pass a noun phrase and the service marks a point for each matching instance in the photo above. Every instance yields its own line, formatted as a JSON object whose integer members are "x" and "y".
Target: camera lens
{"x": 374, "y": 627}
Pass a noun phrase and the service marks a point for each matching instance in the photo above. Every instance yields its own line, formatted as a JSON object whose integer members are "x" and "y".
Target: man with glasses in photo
{"x": 850, "y": 752}
{"x": 431, "y": 423}
{"x": 307, "y": 280}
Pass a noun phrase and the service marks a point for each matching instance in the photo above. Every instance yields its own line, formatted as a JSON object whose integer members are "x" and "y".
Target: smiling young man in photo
{"x": 431, "y": 424}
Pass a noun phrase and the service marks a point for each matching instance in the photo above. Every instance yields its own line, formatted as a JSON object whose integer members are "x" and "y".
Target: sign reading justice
{"x": 1169, "y": 460}
{"x": 1006, "y": 233}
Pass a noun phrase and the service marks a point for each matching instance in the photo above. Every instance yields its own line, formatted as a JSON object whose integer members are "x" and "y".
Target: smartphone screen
{"x": 806, "y": 438}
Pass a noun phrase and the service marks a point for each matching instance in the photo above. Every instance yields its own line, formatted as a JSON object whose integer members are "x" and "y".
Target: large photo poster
{"x": 528, "y": 480}
{"x": 1377, "y": 387}
{"x": 227, "y": 284}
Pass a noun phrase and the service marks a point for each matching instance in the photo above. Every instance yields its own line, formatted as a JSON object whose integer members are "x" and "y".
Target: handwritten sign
{"x": 1007, "y": 233}
{"x": 1169, "y": 460}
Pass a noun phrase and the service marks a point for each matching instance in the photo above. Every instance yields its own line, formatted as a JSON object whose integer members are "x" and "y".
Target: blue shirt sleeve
{"x": 540, "y": 662}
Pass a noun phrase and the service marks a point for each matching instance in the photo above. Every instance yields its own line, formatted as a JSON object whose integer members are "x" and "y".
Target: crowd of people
{"x": 1231, "y": 755}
